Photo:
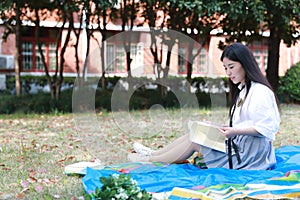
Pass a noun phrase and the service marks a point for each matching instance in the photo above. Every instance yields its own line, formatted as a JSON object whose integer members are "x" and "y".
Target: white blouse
{"x": 259, "y": 110}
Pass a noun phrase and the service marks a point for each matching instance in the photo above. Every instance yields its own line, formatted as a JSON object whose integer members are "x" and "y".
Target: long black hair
{"x": 240, "y": 53}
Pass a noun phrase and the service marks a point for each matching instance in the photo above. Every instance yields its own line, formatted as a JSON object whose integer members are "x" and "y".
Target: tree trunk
{"x": 51, "y": 81}
{"x": 57, "y": 82}
{"x": 103, "y": 62}
{"x": 77, "y": 34}
{"x": 128, "y": 60}
{"x": 88, "y": 38}
{"x": 103, "y": 49}
{"x": 170, "y": 43}
{"x": 17, "y": 54}
{"x": 37, "y": 39}
{"x": 273, "y": 57}
{"x": 190, "y": 62}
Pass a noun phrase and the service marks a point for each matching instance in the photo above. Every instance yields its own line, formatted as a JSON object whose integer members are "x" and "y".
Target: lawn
{"x": 34, "y": 149}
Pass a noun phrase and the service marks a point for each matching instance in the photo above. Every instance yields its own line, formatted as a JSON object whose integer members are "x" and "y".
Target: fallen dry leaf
{"x": 32, "y": 173}
{"x": 20, "y": 196}
{"x": 67, "y": 158}
{"x": 32, "y": 180}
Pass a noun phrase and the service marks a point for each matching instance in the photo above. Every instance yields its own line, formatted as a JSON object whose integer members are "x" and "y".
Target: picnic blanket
{"x": 186, "y": 181}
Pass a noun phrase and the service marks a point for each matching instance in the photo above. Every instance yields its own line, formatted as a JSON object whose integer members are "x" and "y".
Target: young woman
{"x": 254, "y": 121}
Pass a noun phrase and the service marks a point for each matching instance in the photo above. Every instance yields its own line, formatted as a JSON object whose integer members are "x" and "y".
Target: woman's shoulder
{"x": 260, "y": 87}
{"x": 261, "y": 91}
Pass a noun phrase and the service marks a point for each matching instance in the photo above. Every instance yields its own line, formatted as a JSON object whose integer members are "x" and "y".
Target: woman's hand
{"x": 228, "y": 132}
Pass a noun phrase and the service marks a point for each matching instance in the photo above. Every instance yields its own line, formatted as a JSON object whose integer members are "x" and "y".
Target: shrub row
{"x": 142, "y": 97}
{"x": 42, "y": 102}
{"x": 289, "y": 89}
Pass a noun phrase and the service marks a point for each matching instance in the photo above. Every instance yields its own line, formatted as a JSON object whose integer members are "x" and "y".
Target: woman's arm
{"x": 229, "y": 132}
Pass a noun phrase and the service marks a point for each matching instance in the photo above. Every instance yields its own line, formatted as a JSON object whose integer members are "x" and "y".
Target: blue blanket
{"x": 161, "y": 177}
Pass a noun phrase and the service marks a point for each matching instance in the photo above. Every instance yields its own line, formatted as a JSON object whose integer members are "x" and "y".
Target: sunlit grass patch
{"x": 34, "y": 149}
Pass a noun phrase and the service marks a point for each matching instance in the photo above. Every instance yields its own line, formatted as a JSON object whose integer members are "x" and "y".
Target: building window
{"x": 200, "y": 64}
{"x": 38, "y": 58}
{"x": 116, "y": 57}
{"x": 110, "y": 61}
{"x": 31, "y": 57}
{"x": 52, "y": 55}
{"x": 182, "y": 58}
{"x": 27, "y": 56}
{"x": 260, "y": 52}
{"x": 120, "y": 59}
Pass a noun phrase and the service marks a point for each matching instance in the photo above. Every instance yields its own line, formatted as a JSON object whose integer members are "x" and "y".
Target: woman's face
{"x": 234, "y": 70}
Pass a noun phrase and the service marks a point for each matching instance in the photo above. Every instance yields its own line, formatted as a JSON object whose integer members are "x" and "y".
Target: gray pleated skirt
{"x": 256, "y": 153}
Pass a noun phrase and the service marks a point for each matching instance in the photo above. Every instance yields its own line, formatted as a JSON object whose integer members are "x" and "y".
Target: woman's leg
{"x": 179, "y": 150}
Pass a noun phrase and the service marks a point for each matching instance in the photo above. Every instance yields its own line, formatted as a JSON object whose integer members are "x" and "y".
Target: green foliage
{"x": 28, "y": 81}
{"x": 247, "y": 20}
{"x": 36, "y": 103}
{"x": 142, "y": 98}
{"x": 5, "y": 4}
{"x": 289, "y": 89}
{"x": 244, "y": 17}
{"x": 119, "y": 186}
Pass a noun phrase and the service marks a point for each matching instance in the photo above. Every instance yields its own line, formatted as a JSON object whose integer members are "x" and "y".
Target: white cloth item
{"x": 141, "y": 149}
{"x": 136, "y": 157}
{"x": 258, "y": 110}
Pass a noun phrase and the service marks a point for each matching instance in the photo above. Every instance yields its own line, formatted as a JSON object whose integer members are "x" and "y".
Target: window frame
{"x": 35, "y": 53}
{"x": 262, "y": 48}
{"x": 196, "y": 62}
{"x": 117, "y": 49}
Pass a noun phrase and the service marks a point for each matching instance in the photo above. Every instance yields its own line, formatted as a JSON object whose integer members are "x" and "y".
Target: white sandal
{"x": 141, "y": 149}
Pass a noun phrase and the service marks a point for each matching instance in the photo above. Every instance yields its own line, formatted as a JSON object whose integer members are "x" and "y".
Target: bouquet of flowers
{"x": 119, "y": 187}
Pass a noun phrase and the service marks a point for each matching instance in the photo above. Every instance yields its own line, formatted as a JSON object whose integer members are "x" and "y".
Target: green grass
{"x": 34, "y": 149}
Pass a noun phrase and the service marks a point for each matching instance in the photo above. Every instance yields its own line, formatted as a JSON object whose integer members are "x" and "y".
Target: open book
{"x": 206, "y": 134}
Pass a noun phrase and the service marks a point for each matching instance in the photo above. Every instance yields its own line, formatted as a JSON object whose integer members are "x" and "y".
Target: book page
{"x": 206, "y": 134}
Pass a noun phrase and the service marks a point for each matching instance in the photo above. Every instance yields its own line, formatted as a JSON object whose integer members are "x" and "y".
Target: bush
{"x": 289, "y": 89}
{"x": 30, "y": 82}
{"x": 142, "y": 98}
{"x": 36, "y": 103}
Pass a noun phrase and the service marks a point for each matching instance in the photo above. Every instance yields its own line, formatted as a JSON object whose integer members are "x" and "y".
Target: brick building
{"x": 207, "y": 63}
